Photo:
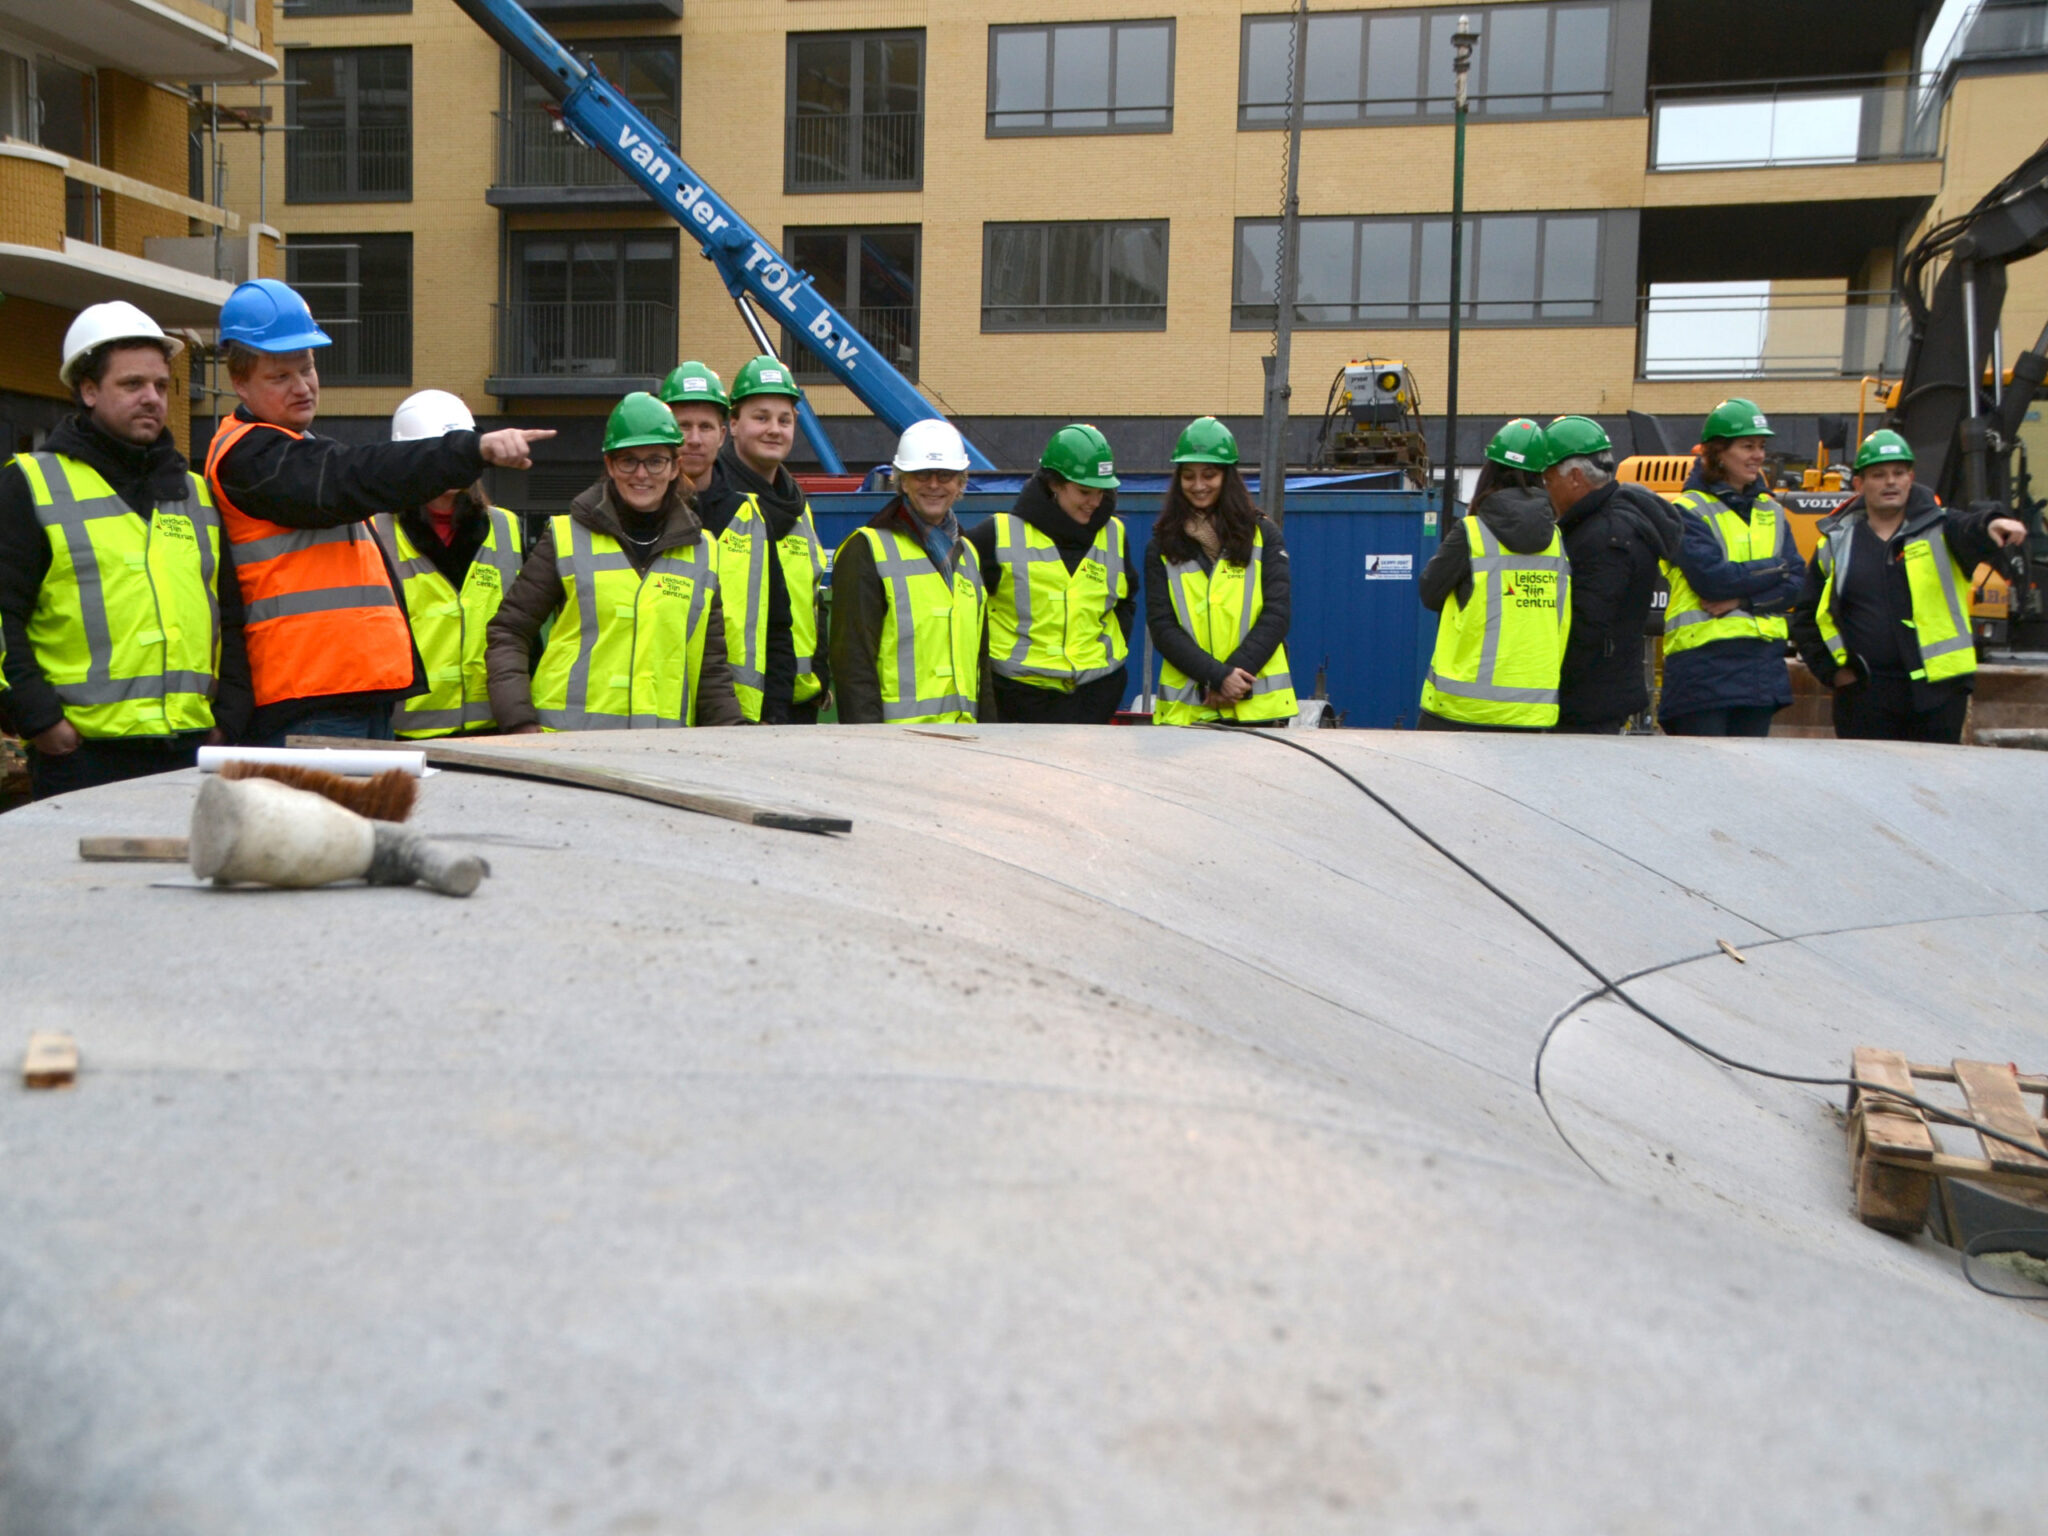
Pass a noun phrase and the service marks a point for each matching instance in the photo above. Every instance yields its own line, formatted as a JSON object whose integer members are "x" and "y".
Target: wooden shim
{"x": 548, "y": 769}
{"x": 134, "y": 850}
{"x": 1994, "y": 1093}
{"x": 1891, "y": 1126}
{"x": 51, "y": 1061}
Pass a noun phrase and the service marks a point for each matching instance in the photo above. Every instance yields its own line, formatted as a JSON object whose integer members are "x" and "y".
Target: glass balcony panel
{"x": 1768, "y": 331}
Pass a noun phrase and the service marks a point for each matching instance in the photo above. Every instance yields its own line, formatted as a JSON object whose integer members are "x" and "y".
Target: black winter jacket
{"x": 144, "y": 478}
{"x": 859, "y": 610}
{"x": 782, "y": 503}
{"x": 1616, "y": 537}
{"x": 1520, "y": 519}
{"x": 1073, "y": 540}
{"x": 1268, "y": 631}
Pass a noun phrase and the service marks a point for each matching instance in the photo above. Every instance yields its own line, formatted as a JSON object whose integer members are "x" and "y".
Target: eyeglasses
{"x": 633, "y": 464}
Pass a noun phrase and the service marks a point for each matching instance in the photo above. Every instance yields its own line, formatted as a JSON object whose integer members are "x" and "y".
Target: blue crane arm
{"x": 752, "y": 268}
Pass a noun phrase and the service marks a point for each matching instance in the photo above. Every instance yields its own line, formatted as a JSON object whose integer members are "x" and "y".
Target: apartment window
{"x": 359, "y": 288}
{"x": 535, "y": 152}
{"x": 349, "y": 112}
{"x": 600, "y": 303}
{"x": 855, "y": 112}
{"x": 869, "y": 276}
{"x": 348, "y": 7}
{"x": 1097, "y": 77}
{"x": 1520, "y": 269}
{"x": 1392, "y": 66}
{"x": 1074, "y": 277}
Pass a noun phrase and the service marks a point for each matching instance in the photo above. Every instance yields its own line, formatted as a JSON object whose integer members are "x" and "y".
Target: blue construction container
{"x": 1358, "y": 625}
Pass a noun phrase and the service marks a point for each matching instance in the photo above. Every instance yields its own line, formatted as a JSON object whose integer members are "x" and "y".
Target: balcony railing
{"x": 891, "y": 330}
{"x": 1836, "y": 120}
{"x": 535, "y": 150}
{"x": 1748, "y": 331}
{"x": 1995, "y": 29}
{"x": 334, "y": 165}
{"x": 372, "y": 348}
{"x": 842, "y": 152}
{"x": 598, "y": 340}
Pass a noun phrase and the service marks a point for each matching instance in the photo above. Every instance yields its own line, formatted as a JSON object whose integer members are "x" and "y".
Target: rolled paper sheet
{"x": 330, "y": 759}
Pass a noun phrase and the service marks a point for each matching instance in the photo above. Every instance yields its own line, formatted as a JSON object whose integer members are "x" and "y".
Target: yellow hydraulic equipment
{"x": 1373, "y": 420}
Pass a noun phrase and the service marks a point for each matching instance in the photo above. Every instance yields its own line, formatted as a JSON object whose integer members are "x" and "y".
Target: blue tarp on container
{"x": 1151, "y": 484}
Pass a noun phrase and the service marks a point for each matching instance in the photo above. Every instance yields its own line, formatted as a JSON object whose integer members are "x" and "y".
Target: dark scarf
{"x": 782, "y": 503}
{"x": 145, "y": 477}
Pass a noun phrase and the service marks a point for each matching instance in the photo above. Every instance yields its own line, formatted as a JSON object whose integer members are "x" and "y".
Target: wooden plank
{"x": 51, "y": 1061}
{"x": 554, "y": 768}
{"x": 1947, "y": 1165}
{"x": 1892, "y": 1127}
{"x": 134, "y": 850}
{"x": 147, "y": 192}
{"x": 2029, "y": 1083}
{"x": 1994, "y": 1093}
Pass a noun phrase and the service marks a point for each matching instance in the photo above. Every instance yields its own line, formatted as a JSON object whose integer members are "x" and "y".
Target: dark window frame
{"x": 295, "y": 192}
{"x": 1610, "y": 307}
{"x": 340, "y": 326}
{"x": 988, "y": 234}
{"x": 803, "y": 361}
{"x": 294, "y": 9}
{"x": 1048, "y": 129}
{"x": 791, "y": 186}
{"x": 520, "y": 163}
{"x": 516, "y": 325}
{"x": 1609, "y": 91}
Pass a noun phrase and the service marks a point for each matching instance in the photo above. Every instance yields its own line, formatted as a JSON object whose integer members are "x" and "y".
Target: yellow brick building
{"x": 1056, "y": 209}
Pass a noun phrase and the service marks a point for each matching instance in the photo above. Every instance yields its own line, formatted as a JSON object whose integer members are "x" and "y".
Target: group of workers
{"x": 302, "y": 587}
{"x": 298, "y": 586}
{"x": 1547, "y": 585}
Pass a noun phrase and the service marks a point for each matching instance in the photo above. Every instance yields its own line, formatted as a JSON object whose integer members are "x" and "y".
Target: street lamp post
{"x": 1463, "y": 41}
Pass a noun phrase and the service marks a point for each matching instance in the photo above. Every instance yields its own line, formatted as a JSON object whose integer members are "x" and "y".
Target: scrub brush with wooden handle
{"x": 386, "y": 796}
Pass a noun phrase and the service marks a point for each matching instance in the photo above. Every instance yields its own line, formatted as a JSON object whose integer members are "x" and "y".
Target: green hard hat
{"x": 1521, "y": 444}
{"x": 764, "y": 376}
{"x": 1884, "y": 446}
{"x": 1572, "y": 437}
{"x": 693, "y": 383}
{"x": 1205, "y": 440}
{"x": 1736, "y": 418}
{"x": 639, "y": 420}
{"x": 1081, "y": 454}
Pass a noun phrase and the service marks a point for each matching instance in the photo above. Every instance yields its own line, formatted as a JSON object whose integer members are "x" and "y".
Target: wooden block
{"x": 1891, "y": 1127}
{"x": 1993, "y": 1090}
{"x": 134, "y": 850}
{"x": 50, "y": 1062}
{"x": 1886, "y": 1138}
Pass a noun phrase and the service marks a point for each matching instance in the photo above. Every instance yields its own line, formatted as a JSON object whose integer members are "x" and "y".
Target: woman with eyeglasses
{"x": 631, "y": 581}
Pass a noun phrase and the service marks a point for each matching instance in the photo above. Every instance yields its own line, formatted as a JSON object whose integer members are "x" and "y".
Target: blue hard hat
{"x": 271, "y": 317}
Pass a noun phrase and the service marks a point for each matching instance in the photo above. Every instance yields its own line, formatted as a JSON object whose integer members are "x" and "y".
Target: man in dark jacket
{"x": 1855, "y": 624}
{"x": 118, "y": 365}
{"x": 1616, "y": 536}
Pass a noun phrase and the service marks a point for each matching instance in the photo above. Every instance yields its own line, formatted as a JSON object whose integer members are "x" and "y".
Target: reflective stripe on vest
{"x": 1498, "y": 657}
{"x": 1688, "y": 624}
{"x": 744, "y": 569}
{"x": 1935, "y": 582}
{"x": 1217, "y": 608}
{"x": 1051, "y": 627}
{"x": 126, "y": 626}
{"x": 319, "y": 614}
{"x": 448, "y": 627}
{"x": 936, "y": 627}
{"x": 627, "y": 649}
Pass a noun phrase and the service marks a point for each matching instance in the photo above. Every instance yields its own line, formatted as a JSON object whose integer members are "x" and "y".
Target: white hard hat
{"x": 429, "y": 413}
{"x": 930, "y": 444}
{"x": 98, "y": 324}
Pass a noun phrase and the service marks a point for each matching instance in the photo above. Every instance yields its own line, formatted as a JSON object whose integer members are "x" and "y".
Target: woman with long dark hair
{"x": 1216, "y": 592}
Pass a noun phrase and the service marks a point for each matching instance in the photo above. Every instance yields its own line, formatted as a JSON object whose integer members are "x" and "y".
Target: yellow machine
{"x": 1373, "y": 420}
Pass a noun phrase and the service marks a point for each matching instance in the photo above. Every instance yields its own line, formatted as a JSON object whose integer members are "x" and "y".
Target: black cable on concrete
{"x": 1927, "y": 1107}
{"x": 1976, "y": 1249}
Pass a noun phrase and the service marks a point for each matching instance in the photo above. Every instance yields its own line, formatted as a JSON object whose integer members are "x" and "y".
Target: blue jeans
{"x": 366, "y": 722}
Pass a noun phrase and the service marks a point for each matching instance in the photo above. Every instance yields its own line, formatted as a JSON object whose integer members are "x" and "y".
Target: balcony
{"x": 334, "y": 165}
{"x": 372, "y": 348}
{"x": 1825, "y": 121}
{"x": 606, "y": 10}
{"x": 573, "y": 348}
{"x": 1996, "y": 29}
{"x": 1768, "y": 330}
{"x": 542, "y": 165}
{"x": 848, "y": 152}
{"x": 890, "y": 330}
{"x": 169, "y": 40}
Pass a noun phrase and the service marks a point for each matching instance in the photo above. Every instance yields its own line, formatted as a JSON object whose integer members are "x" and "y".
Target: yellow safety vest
{"x": 126, "y": 625}
{"x": 1218, "y": 608}
{"x": 930, "y": 665}
{"x": 1935, "y": 581}
{"x": 745, "y": 572}
{"x": 1050, "y": 627}
{"x": 448, "y": 627}
{"x": 1686, "y": 623}
{"x": 627, "y": 650}
{"x": 1498, "y": 656}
